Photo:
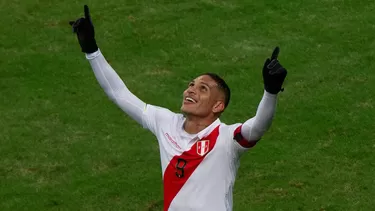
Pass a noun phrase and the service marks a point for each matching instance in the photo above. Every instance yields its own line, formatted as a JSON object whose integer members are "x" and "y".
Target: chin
{"x": 188, "y": 111}
{"x": 184, "y": 110}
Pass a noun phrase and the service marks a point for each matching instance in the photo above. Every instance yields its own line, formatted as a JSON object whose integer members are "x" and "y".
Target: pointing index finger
{"x": 275, "y": 53}
{"x": 87, "y": 12}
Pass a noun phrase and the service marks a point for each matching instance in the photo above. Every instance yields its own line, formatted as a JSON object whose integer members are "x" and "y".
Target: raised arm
{"x": 115, "y": 88}
{"x": 108, "y": 79}
{"x": 254, "y": 128}
{"x": 273, "y": 76}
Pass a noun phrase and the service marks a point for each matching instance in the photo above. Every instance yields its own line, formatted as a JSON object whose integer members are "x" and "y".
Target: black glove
{"x": 273, "y": 74}
{"x": 85, "y": 32}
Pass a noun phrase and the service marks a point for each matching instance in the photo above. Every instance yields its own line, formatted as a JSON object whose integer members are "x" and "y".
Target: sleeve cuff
{"x": 267, "y": 94}
{"x": 91, "y": 56}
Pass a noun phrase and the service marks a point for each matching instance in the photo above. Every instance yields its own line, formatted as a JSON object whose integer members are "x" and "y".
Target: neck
{"x": 194, "y": 125}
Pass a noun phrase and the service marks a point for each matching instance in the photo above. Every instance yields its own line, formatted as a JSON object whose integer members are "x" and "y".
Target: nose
{"x": 191, "y": 90}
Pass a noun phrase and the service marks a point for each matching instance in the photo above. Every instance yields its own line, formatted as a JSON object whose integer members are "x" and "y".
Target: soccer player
{"x": 199, "y": 153}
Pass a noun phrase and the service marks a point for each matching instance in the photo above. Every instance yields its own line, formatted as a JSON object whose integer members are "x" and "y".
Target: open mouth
{"x": 190, "y": 100}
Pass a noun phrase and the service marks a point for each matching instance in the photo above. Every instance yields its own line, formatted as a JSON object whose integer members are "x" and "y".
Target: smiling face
{"x": 203, "y": 98}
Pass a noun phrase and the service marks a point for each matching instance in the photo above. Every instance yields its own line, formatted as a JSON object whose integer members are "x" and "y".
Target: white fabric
{"x": 115, "y": 88}
{"x": 254, "y": 128}
{"x": 210, "y": 186}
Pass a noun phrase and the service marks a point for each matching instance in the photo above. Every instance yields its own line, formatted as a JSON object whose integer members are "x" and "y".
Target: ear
{"x": 218, "y": 107}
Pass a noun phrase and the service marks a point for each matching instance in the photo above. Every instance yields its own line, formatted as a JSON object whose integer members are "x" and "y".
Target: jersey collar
{"x": 205, "y": 132}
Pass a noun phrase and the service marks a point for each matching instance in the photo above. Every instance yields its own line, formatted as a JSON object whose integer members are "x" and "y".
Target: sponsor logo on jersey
{"x": 172, "y": 141}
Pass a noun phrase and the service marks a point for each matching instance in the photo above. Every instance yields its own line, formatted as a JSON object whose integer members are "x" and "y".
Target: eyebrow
{"x": 204, "y": 83}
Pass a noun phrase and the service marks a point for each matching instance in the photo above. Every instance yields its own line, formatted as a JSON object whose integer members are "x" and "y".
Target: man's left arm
{"x": 253, "y": 129}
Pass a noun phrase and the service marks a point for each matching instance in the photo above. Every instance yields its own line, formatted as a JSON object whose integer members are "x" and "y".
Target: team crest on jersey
{"x": 202, "y": 147}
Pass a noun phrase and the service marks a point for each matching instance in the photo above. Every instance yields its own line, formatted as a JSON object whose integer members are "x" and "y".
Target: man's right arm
{"x": 148, "y": 116}
{"x": 114, "y": 87}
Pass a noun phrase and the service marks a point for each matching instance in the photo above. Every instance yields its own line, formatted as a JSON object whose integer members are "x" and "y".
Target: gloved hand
{"x": 84, "y": 29}
{"x": 273, "y": 73}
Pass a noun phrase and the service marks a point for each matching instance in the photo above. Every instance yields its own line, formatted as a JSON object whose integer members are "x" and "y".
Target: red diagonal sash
{"x": 181, "y": 167}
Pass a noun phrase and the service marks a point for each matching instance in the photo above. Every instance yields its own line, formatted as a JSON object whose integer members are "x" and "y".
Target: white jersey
{"x": 198, "y": 170}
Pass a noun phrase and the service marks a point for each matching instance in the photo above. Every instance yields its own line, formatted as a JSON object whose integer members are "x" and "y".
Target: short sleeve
{"x": 155, "y": 117}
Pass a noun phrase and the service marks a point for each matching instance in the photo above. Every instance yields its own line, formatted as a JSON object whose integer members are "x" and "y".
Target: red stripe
{"x": 172, "y": 183}
{"x": 241, "y": 140}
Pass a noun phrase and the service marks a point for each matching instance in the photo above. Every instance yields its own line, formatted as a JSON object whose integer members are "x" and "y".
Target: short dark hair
{"x": 222, "y": 86}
